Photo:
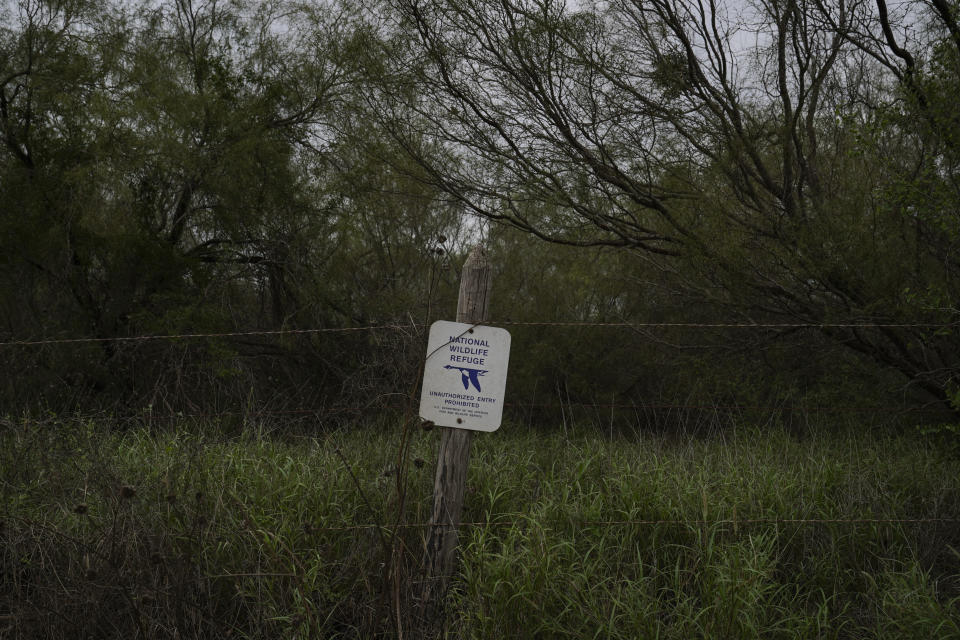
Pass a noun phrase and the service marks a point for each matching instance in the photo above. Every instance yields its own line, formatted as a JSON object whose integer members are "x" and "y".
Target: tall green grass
{"x": 205, "y": 531}
{"x": 709, "y": 572}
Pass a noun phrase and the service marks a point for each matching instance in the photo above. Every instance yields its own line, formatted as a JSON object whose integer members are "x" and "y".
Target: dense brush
{"x": 197, "y": 533}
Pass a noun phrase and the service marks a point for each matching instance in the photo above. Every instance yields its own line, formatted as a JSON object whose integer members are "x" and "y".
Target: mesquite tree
{"x": 785, "y": 160}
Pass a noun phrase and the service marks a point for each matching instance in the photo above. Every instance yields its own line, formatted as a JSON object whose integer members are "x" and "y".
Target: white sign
{"x": 465, "y": 376}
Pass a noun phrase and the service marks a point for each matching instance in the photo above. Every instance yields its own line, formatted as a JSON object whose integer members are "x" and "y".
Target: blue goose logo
{"x": 469, "y": 376}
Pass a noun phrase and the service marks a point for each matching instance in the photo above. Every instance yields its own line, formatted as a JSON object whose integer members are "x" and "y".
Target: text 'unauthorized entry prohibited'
{"x": 465, "y": 375}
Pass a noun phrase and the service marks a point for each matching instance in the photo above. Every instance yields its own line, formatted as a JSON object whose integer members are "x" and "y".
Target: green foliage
{"x": 195, "y": 167}
{"x": 792, "y": 184}
{"x": 190, "y": 167}
{"x": 209, "y": 530}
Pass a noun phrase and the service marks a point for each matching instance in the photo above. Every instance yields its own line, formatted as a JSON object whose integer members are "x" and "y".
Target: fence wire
{"x": 417, "y": 328}
{"x": 645, "y": 523}
{"x": 333, "y": 410}
{"x": 506, "y": 323}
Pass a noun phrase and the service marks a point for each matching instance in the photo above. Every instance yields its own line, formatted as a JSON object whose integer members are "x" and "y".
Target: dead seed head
{"x": 419, "y": 462}
{"x": 427, "y": 425}
{"x": 127, "y": 492}
{"x": 80, "y": 509}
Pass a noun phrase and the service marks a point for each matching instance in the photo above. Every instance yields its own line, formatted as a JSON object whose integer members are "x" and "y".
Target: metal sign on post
{"x": 453, "y": 457}
{"x": 465, "y": 376}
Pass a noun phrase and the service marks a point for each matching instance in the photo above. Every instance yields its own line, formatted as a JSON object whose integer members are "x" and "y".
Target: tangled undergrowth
{"x": 201, "y": 532}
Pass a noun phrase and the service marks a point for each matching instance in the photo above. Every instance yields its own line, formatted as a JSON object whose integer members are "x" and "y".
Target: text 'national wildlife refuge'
{"x": 465, "y": 375}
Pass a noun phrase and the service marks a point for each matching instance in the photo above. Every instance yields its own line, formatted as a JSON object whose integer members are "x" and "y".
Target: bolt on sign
{"x": 465, "y": 375}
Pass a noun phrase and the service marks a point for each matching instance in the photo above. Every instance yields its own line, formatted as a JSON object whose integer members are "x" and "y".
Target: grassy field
{"x": 204, "y": 531}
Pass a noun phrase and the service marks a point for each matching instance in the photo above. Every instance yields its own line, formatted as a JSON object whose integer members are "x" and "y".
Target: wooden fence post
{"x": 449, "y": 484}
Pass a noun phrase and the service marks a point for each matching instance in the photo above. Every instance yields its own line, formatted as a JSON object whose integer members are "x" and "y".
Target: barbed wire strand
{"x": 520, "y": 405}
{"x": 742, "y": 325}
{"x": 510, "y": 522}
{"x": 612, "y": 523}
{"x": 227, "y": 334}
{"x": 396, "y": 327}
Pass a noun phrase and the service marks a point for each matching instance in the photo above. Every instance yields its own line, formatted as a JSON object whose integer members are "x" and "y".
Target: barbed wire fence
{"x": 401, "y": 402}
{"x": 412, "y": 337}
{"x": 411, "y": 334}
{"x": 501, "y": 323}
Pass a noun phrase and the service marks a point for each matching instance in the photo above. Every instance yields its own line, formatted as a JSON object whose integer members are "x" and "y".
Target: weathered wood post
{"x": 449, "y": 485}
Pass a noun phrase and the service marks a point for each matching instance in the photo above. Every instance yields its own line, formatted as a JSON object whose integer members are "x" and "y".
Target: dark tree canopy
{"x": 195, "y": 166}
{"x": 215, "y": 165}
{"x": 789, "y": 161}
